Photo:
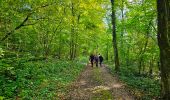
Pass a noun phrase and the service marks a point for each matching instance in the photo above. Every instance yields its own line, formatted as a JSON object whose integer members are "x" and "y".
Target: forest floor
{"x": 96, "y": 83}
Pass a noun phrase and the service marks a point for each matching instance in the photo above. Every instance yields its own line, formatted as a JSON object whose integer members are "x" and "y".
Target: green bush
{"x": 36, "y": 80}
{"x": 149, "y": 88}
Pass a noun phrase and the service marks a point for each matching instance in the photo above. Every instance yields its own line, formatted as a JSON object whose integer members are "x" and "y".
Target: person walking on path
{"x": 96, "y": 58}
{"x": 91, "y": 59}
{"x": 100, "y": 60}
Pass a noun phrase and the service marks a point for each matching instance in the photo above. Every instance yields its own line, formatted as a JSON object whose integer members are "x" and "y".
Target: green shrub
{"x": 149, "y": 88}
{"x": 37, "y": 80}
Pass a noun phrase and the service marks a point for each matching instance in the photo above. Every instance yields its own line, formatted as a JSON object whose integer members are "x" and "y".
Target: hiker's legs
{"x": 91, "y": 63}
{"x": 96, "y": 63}
{"x": 100, "y": 64}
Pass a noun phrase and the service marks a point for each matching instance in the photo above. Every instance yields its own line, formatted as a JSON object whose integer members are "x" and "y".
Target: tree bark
{"x": 122, "y": 48}
{"x": 72, "y": 32}
{"x": 163, "y": 7}
{"x": 116, "y": 57}
{"x": 107, "y": 51}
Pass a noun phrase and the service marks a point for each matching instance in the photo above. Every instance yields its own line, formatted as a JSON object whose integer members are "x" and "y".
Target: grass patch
{"x": 103, "y": 95}
{"x": 97, "y": 75}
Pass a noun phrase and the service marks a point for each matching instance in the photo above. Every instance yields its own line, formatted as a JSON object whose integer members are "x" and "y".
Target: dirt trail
{"x": 98, "y": 84}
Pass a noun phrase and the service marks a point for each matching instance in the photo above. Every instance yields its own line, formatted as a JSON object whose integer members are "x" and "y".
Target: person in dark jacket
{"x": 91, "y": 59}
{"x": 100, "y": 60}
{"x": 96, "y": 58}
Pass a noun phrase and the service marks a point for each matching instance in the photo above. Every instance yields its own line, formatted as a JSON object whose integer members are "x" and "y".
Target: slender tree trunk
{"x": 116, "y": 58}
{"x": 128, "y": 51}
{"x": 122, "y": 53}
{"x": 60, "y": 46}
{"x": 140, "y": 64}
{"x": 76, "y": 38}
{"x": 143, "y": 67}
{"x": 151, "y": 67}
{"x": 75, "y": 45}
{"x": 107, "y": 51}
{"x": 127, "y": 56}
{"x": 46, "y": 46}
{"x": 163, "y": 7}
{"x": 72, "y": 46}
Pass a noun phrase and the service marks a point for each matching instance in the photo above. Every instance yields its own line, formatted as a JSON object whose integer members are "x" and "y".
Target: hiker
{"x": 91, "y": 59}
{"x": 96, "y": 58}
{"x": 100, "y": 60}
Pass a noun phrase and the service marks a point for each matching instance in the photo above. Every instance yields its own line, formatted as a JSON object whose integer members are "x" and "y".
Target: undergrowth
{"x": 40, "y": 80}
{"x": 142, "y": 86}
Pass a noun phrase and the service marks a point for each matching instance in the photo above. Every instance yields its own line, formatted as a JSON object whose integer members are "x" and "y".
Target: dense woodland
{"x": 45, "y": 44}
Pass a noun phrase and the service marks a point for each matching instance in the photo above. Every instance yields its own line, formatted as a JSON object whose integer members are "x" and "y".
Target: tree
{"x": 116, "y": 57}
{"x": 163, "y": 7}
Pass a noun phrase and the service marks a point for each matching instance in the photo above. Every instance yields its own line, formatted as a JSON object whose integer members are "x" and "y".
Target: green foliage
{"x": 38, "y": 80}
{"x": 103, "y": 95}
{"x": 39, "y": 31}
{"x": 142, "y": 86}
{"x": 1, "y": 53}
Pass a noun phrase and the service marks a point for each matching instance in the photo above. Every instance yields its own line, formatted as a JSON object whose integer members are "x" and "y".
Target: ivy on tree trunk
{"x": 116, "y": 57}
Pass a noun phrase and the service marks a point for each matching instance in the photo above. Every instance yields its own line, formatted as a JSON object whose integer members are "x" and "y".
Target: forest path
{"x": 96, "y": 83}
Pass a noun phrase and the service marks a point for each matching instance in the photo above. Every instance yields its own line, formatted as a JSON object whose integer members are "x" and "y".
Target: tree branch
{"x": 16, "y": 28}
{"x": 24, "y": 21}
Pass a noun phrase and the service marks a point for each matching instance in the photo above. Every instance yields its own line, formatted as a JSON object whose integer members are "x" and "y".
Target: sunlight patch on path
{"x": 117, "y": 85}
{"x": 97, "y": 84}
{"x": 82, "y": 82}
{"x": 97, "y": 89}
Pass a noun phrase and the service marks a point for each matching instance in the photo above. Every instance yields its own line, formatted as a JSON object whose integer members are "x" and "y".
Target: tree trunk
{"x": 59, "y": 46}
{"x": 72, "y": 45}
{"x": 163, "y": 7}
{"x": 127, "y": 56}
{"x": 116, "y": 58}
{"x": 107, "y": 52}
{"x": 141, "y": 55}
{"x": 140, "y": 64}
{"x": 151, "y": 67}
{"x": 122, "y": 52}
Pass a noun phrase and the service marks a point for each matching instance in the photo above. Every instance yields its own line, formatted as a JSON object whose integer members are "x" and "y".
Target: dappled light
{"x": 84, "y": 50}
{"x": 117, "y": 86}
{"x": 99, "y": 84}
{"x": 83, "y": 82}
{"x": 97, "y": 89}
